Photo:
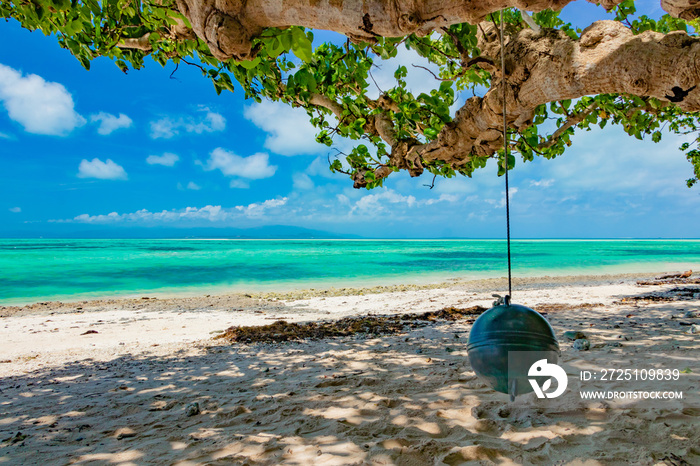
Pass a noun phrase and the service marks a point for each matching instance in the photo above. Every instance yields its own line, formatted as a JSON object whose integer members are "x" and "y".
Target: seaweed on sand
{"x": 674, "y": 294}
{"x": 369, "y": 325}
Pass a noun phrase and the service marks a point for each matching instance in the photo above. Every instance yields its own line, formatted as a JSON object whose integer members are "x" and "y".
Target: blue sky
{"x": 82, "y": 151}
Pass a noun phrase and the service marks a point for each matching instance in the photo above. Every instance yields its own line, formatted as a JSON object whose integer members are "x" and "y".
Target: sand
{"x": 143, "y": 381}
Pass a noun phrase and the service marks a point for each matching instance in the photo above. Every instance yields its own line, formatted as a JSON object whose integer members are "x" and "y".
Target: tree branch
{"x": 573, "y": 120}
{"x": 434, "y": 75}
{"x": 608, "y": 59}
{"x": 229, "y": 27}
{"x": 139, "y": 43}
{"x": 320, "y": 100}
{"x": 379, "y": 124}
{"x": 685, "y": 9}
{"x": 542, "y": 67}
{"x": 550, "y": 67}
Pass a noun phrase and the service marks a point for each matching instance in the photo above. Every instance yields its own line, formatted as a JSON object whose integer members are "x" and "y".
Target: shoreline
{"x": 186, "y": 298}
{"x": 49, "y": 334}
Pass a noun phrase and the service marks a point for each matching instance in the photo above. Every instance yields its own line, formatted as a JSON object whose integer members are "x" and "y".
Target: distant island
{"x": 102, "y": 232}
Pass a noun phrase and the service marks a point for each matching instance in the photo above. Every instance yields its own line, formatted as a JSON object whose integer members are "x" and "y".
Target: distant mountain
{"x": 267, "y": 232}
{"x": 100, "y": 231}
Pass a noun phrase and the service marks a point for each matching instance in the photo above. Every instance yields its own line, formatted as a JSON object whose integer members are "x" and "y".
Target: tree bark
{"x": 548, "y": 67}
{"x": 686, "y": 9}
{"x": 541, "y": 67}
{"x": 228, "y": 26}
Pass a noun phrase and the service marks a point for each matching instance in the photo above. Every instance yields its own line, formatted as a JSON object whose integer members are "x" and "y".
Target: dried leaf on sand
{"x": 374, "y": 325}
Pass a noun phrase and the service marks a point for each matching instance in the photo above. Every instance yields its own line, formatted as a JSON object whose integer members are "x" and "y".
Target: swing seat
{"x": 505, "y": 341}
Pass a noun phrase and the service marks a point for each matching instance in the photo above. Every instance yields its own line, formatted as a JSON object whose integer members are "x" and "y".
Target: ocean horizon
{"x": 33, "y": 270}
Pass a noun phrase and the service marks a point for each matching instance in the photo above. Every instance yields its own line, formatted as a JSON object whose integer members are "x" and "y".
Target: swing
{"x": 508, "y": 338}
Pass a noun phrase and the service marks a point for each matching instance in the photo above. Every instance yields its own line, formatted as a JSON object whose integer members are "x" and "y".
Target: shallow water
{"x": 37, "y": 270}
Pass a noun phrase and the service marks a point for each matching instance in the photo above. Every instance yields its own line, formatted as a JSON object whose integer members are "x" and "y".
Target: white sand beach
{"x": 144, "y": 381}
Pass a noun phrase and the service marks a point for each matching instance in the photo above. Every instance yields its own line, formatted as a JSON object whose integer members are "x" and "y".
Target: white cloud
{"x": 207, "y": 213}
{"x": 192, "y": 186}
{"x": 41, "y": 107}
{"x": 442, "y": 198}
{"x": 101, "y": 170}
{"x": 574, "y": 204}
{"x": 168, "y": 127}
{"x": 239, "y": 184}
{"x": 167, "y": 159}
{"x": 541, "y": 183}
{"x": 302, "y": 182}
{"x": 343, "y": 199}
{"x": 498, "y": 204}
{"x": 15, "y": 210}
{"x": 610, "y": 161}
{"x": 289, "y": 130}
{"x": 374, "y": 203}
{"x": 110, "y": 123}
{"x": 257, "y": 210}
{"x": 254, "y": 167}
{"x": 5, "y": 136}
{"x": 389, "y": 200}
{"x": 163, "y": 128}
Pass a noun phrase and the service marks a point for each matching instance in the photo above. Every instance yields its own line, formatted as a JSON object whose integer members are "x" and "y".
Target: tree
{"x": 639, "y": 73}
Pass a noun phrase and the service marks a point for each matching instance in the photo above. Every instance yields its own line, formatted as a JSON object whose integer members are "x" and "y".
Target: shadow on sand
{"x": 407, "y": 399}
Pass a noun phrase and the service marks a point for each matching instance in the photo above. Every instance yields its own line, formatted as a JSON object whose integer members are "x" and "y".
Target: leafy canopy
{"x": 286, "y": 68}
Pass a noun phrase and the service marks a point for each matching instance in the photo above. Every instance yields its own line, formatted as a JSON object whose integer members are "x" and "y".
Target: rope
{"x": 505, "y": 146}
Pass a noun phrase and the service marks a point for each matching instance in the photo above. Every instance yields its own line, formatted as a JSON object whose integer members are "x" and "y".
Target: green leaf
{"x": 301, "y": 45}
{"x": 94, "y": 7}
{"x": 336, "y": 165}
{"x": 401, "y": 72}
{"x": 286, "y": 39}
{"x": 250, "y": 64}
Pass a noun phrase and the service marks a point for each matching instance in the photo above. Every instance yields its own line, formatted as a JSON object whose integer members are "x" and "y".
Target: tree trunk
{"x": 228, "y": 26}
{"x": 550, "y": 66}
{"x": 541, "y": 66}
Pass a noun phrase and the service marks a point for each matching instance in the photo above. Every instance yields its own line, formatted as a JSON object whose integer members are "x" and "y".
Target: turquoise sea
{"x": 34, "y": 270}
